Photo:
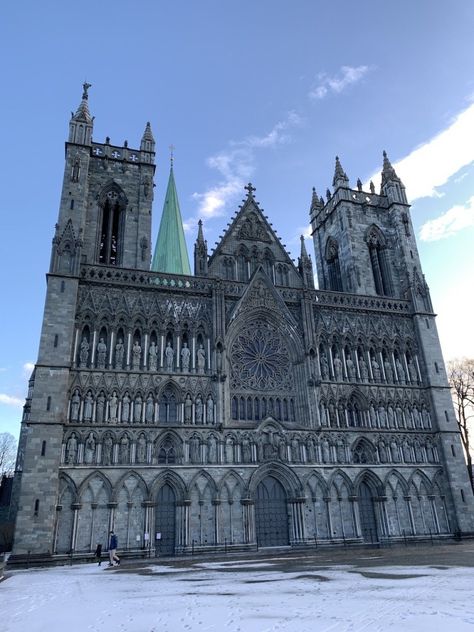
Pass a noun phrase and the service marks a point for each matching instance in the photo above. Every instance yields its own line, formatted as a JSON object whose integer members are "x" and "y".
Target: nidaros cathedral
{"x": 239, "y": 406}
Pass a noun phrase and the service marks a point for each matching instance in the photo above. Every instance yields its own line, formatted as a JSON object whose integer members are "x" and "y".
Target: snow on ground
{"x": 243, "y": 596}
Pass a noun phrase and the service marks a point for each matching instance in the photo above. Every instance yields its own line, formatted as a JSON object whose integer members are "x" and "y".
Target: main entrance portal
{"x": 368, "y": 523}
{"x": 165, "y": 520}
{"x": 271, "y": 514}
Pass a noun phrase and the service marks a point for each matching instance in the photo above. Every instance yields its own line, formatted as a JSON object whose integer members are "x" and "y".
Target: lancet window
{"x": 379, "y": 261}
{"x": 333, "y": 266}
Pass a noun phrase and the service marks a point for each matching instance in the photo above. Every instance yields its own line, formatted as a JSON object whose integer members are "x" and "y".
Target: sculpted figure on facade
{"x": 119, "y": 351}
{"x": 388, "y": 371}
{"x": 212, "y": 449}
{"x": 337, "y": 368}
{"x": 100, "y": 408}
{"x": 141, "y": 449}
{"x": 84, "y": 353}
{"x": 137, "y": 409}
{"x": 107, "y": 449}
{"x": 351, "y": 369}
{"x": 400, "y": 371}
{"x": 89, "y": 449}
{"x": 324, "y": 367}
{"x": 150, "y": 409}
{"x": 412, "y": 372}
{"x": 376, "y": 370}
{"x": 75, "y": 405}
{"x": 136, "y": 355}
{"x": 188, "y": 409}
{"x": 201, "y": 359}
{"x": 169, "y": 356}
{"x": 126, "y": 407}
{"x": 185, "y": 356}
{"x": 199, "y": 411}
{"x": 88, "y": 404}
{"x": 124, "y": 453}
{"x": 101, "y": 354}
{"x": 113, "y": 406}
{"x": 71, "y": 449}
{"x": 152, "y": 356}
{"x": 210, "y": 410}
{"x": 194, "y": 449}
{"x": 364, "y": 372}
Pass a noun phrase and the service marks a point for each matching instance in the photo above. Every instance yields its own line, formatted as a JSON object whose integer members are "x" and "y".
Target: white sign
{"x": 147, "y": 537}
{"x": 158, "y": 536}
{"x": 138, "y": 538}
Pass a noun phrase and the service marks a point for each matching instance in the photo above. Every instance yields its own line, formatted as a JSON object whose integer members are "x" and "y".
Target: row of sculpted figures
{"x": 365, "y": 363}
{"x": 193, "y": 509}
{"x": 168, "y": 448}
{"x": 164, "y": 350}
{"x": 169, "y": 405}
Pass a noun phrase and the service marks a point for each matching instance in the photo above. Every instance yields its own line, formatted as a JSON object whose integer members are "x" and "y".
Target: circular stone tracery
{"x": 260, "y": 359}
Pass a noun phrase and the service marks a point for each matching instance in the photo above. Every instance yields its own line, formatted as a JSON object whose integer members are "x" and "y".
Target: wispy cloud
{"x": 347, "y": 76}
{"x": 450, "y": 223}
{"x": 236, "y": 164}
{"x": 433, "y": 163}
{"x": 11, "y": 401}
{"x": 28, "y": 368}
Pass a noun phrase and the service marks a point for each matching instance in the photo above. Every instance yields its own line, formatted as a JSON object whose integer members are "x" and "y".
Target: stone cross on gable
{"x": 133, "y": 157}
{"x": 97, "y": 151}
{"x": 115, "y": 154}
{"x": 250, "y": 189}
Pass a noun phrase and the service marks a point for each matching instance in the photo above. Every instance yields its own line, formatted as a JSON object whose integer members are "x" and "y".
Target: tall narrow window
{"x": 110, "y": 232}
{"x": 333, "y": 267}
{"x": 380, "y": 262}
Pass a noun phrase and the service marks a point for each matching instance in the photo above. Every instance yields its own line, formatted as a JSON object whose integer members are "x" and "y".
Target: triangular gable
{"x": 261, "y": 294}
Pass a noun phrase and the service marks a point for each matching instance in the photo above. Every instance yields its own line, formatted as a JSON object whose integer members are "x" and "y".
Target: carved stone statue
{"x": 210, "y": 410}
{"x": 229, "y": 450}
{"x": 394, "y": 451}
{"x": 376, "y": 370}
{"x": 194, "y": 446}
{"x": 71, "y": 449}
{"x": 351, "y": 369}
{"x": 337, "y": 368}
{"x": 400, "y": 371}
{"x": 388, "y": 371}
{"x": 124, "y": 450}
{"x": 152, "y": 357}
{"x": 212, "y": 450}
{"x": 101, "y": 354}
{"x": 324, "y": 367}
{"x": 150, "y": 409}
{"x": 84, "y": 353}
{"x": 413, "y": 372}
{"x": 89, "y": 449}
{"x": 88, "y": 403}
{"x": 107, "y": 448}
{"x": 246, "y": 451}
{"x": 391, "y": 417}
{"x": 382, "y": 451}
{"x": 75, "y": 405}
{"x": 137, "y": 409}
{"x": 136, "y": 355}
{"x": 113, "y": 405}
{"x": 141, "y": 449}
{"x": 100, "y": 408}
{"x": 126, "y": 407}
{"x": 373, "y": 416}
{"x": 169, "y": 356}
{"x": 201, "y": 359}
{"x": 364, "y": 372}
{"x": 119, "y": 351}
{"x": 185, "y": 355}
{"x": 188, "y": 409}
{"x": 382, "y": 417}
{"x": 199, "y": 407}
{"x": 325, "y": 451}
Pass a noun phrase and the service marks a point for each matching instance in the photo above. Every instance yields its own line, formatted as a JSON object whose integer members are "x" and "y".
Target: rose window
{"x": 260, "y": 359}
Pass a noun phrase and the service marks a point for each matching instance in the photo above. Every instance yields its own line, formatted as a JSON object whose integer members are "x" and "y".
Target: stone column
{"x": 145, "y": 353}
{"x": 410, "y": 514}
{"x": 355, "y": 515}
{"x": 112, "y": 506}
{"x": 129, "y": 348}
{"x": 111, "y": 350}
{"x": 249, "y": 520}
{"x": 216, "y": 502}
{"x": 431, "y": 498}
{"x": 94, "y": 343}
{"x": 298, "y": 525}
{"x": 75, "y": 507}
{"x": 76, "y": 344}
{"x": 327, "y": 500}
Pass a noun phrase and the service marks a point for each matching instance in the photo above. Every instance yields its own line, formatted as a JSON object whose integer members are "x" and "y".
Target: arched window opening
{"x": 168, "y": 407}
{"x": 110, "y": 232}
{"x": 380, "y": 262}
{"x": 167, "y": 454}
{"x": 333, "y": 266}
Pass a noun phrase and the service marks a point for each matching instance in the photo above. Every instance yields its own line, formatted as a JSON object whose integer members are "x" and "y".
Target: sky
{"x": 268, "y": 91}
{"x": 279, "y": 594}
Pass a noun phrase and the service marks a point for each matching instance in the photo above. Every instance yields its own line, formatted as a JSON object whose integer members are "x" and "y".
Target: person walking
{"x": 98, "y": 554}
{"x": 113, "y": 543}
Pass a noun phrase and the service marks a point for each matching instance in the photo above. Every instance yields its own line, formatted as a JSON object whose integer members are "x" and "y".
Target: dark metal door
{"x": 271, "y": 514}
{"x": 368, "y": 523}
{"x": 165, "y": 520}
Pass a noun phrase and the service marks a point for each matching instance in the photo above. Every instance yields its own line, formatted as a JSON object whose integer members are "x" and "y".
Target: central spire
{"x": 171, "y": 254}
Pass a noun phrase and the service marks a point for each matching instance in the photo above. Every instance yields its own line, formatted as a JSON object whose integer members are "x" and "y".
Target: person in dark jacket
{"x": 98, "y": 554}
{"x": 113, "y": 543}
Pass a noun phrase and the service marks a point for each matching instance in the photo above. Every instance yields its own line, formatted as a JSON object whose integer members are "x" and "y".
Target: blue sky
{"x": 268, "y": 91}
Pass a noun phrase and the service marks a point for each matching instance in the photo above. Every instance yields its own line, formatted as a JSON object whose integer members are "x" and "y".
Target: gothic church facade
{"x": 239, "y": 406}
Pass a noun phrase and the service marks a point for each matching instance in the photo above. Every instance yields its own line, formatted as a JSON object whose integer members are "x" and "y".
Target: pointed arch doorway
{"x": 368, "y": 521}
{"x": 271, "y": 514}
{"x": 165, "y": 520}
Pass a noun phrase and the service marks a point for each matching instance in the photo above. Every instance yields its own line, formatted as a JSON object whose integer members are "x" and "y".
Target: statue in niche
{"x": 84, "y": 353}
{"x": 382, "y": 417}
{"x": 107, "y": 448}
{"x": 229, "y": 450}
{"x": 124, "y": 450}
{"x": 419, "y": 458}
{"x": 150, "y": 409}
{"x": 169, "y": 356}
{"x": 351, "y": 369}
{"x": 141, "y": 449}
{"x": 309, "y": 445}
{"x": 246, "y": 451}
{"x": 71, "y": 449}
{"x": 101, "y": 354}
{"x": 219, "y": 360}
{"x": 295, "y": 450}
{"x": 382, "y": 451}
{"x": 280, "y": 449}
{"x": 126, "y": 407}
{"x": 188, "y": 409}
{"x": 418, "y": 418}
{"x": 212, "y": 450}
{"x": 194, "y": 446}
{"x": 337, "y": 368}
{"x": 152, "y": 357}
{"x": 399, "y": 416}
{"x": 185, "y": 355}
{"x": 201, "y": 359}
{"x": 406, "y": 452}
{"x": 88, "y": 403}
{"x": 210, "y": 410}
{"x": 136, "y": 355}
{"x": 400, "y": 371}
{"x": 113, "y": 405}
{"x": 391, "y": 417}
{"x": 119, "y": 351}
{"x": 324, "y": 367}
{"x": 89, "y": 449}
{"x": 323, "y": 414}
{"x": 413, "y": 373}
{"x": 75, "y": 405}
{"x": 394, "y": 451}
{"x": 199, "y": 407}
{"x": 341, "y": 451}
{"x": 388, "y": 371}
{"x": 426, "y": 417}
{"x": 430, "y": 454}
{"x": 137, "y": 409}
{"x": 364, "y": 372}
{"x": 100, "y": 408}
{"x": 376, "y": 370}
{"x": 325, "y": 450}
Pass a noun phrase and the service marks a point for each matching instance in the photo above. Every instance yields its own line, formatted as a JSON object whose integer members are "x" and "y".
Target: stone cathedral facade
{"x": 239, "y": 406}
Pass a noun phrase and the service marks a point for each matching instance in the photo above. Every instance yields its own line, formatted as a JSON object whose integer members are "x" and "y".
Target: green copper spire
{"x": 171, "y": 254}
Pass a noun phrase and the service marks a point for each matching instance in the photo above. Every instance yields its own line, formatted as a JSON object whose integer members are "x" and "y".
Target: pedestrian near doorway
{"x": 113, "y": 544}
{"x": 98, "y": 554}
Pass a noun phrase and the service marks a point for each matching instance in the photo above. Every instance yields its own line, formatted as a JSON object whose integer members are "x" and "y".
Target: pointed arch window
{"x": 111, "y": 227}
{"x": 333, "y": 266}
{"x": 379, "y": 261}
{"x": 168, "y": 406}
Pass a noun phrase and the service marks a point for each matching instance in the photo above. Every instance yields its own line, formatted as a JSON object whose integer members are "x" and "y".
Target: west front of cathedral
{"x": 238, "y": 407}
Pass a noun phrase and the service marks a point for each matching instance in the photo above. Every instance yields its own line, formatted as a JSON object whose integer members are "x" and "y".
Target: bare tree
{"x": 461, "y": 380}
{"x": 7, "y": 453}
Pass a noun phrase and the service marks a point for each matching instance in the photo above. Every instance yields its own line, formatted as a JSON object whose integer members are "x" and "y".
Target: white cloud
{"x": 236, "y": 165}
{"x": 450, "y": 223}
{"x": 434, "y": 162}
{"x": 347, "y": 76}
{"x": 11, "y": 401}
{"x": 27, "y": 369}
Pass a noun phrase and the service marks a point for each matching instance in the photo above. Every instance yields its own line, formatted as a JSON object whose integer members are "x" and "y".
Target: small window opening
{"x": 72, "y": 205}
{"x": 63, "y": 285}
{"x": 436, "y": 367}
{"x": 37, "y": 504}
{"x": 446, "y": 415}
{"x": 48, "y": 403}
{"x": 427, "y": 322}
{"x": 56, "y": 338}
{"x": 462, "y": 496}
{"x": 43, "y": 448}
{"x": 452, "y": 450}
